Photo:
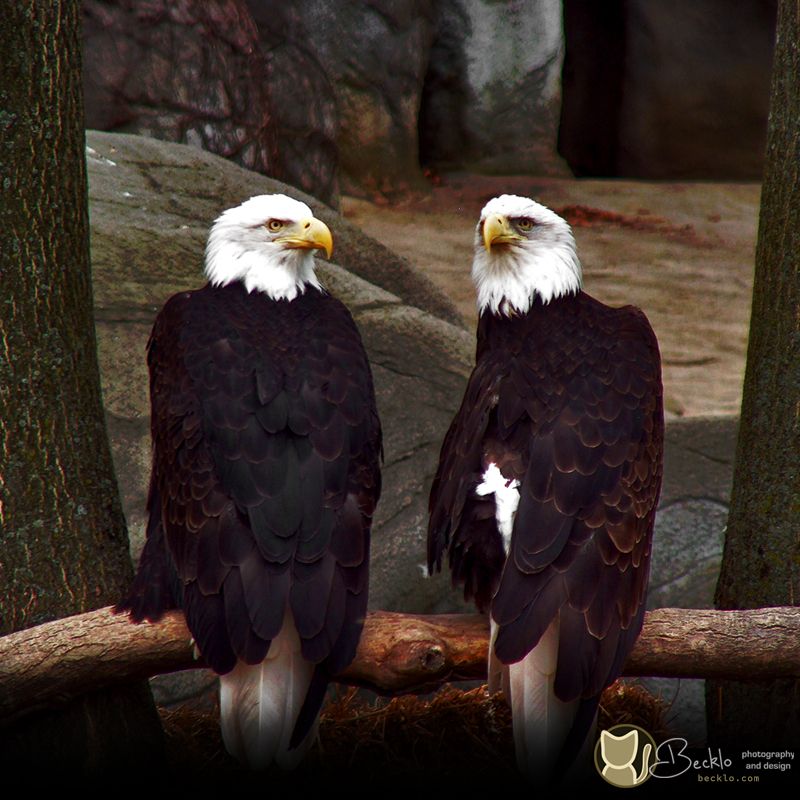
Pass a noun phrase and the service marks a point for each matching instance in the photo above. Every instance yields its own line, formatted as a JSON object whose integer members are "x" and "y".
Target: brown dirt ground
{"x": 682, "y": 252}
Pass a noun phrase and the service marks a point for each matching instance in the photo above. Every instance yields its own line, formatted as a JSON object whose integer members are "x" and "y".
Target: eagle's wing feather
{"x": 461, "y": 523}
{"x": 583, "y": 529}
{"x": 591, "y": 474}
{"x": 581, "y": 430}
{"x": 266, "y": 448}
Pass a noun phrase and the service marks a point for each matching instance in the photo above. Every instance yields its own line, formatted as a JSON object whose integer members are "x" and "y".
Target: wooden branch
{"x": 49, "y": 664}
{"x": 407, "y": 654}
{"x": 750, "y": 645}
{"x": 399, "y": 653}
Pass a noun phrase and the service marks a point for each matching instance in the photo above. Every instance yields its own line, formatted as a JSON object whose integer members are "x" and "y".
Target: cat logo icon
{"x": 624, "y": 755}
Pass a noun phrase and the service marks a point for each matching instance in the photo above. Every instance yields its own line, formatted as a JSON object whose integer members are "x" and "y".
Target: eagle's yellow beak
{"x": 309, "y": 233}
{"x": 498, "y": 230}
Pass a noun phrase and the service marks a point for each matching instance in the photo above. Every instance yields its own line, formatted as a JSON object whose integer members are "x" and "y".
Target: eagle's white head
{"x": 268, "y": 243}
{"x": 522, "y": 249}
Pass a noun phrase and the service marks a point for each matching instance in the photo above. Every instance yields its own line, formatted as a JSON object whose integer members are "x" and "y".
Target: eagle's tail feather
{"x": 260, "y": 704}
{"x": 309, "y": 713}
{"x": 497, "y": 671}
{"x": 577, "y": 749}
{"x": 542, "y": 723}
{"x": 156, "y": 587}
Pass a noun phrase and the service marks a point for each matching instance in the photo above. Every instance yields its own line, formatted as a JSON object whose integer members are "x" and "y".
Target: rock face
{"x": 492, "y": 100}
{"x": 303, "y": 101}
{"x": 376, "y": 54}
{"x": 209, "y": 73}
{"x": 673, "y": 90}
{"x": 359, "y": 92}
{"x": 151, "y": 205}
{"x": 697, "y": 90}
{"x": 186, "y": 71}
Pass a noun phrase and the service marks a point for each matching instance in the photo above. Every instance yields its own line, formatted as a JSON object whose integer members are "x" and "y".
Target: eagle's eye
{"x": 274, "y": 225}
{"x": 524, "y": 224}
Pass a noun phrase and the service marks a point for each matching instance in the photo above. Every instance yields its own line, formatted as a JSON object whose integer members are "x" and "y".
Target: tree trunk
{"x": 761, "y": 561}
{"x": 63, "y": 543}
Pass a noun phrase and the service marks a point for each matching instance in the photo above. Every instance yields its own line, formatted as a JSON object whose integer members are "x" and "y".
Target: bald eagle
{"x": 548, "y": 480}
{"x": 265, "y": 476}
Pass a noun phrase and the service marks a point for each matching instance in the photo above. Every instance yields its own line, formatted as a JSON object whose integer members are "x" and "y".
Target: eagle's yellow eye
{"x": 525, "y": 224}
{"x": 274, "y": 225}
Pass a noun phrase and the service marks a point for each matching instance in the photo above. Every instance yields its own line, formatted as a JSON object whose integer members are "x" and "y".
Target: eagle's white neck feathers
{"x": 541, "y": 261}
{"x": 241, "y": 247}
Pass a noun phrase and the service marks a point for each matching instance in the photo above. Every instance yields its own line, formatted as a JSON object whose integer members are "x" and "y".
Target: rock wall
{"x": 662, "y": 89}
{"x": 209, "y": 73}
{"x": 354, "y": 95}
{"x": 302, "y": 99}
{"x": 376, "y": 54}
{"x": 492, "y": 100}
{"x": 180, "y": 71}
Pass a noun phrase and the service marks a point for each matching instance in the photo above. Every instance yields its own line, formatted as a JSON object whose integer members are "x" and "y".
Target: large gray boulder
{"x": 151, "y": 204}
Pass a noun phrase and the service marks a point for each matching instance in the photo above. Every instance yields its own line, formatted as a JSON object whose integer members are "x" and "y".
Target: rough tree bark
{"x": 761, "y": 561}
{"x": 63, "y": 544}
{"x": 398, "y": 653}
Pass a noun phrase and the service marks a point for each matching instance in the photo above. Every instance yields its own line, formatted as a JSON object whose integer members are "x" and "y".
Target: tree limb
{"x": 50, "y": 664}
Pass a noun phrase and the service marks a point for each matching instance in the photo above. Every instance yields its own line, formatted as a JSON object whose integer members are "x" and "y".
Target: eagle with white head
{"x": 265, "y": 477}
{"x": 548, "y": 480}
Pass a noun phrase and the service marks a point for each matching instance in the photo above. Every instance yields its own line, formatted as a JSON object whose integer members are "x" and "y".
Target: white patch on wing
{"x": 506, "y": 500}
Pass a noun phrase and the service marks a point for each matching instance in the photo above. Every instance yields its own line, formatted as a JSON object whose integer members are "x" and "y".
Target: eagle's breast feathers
{"x": 266, "y": 445}
{"x": 566, "y": 402}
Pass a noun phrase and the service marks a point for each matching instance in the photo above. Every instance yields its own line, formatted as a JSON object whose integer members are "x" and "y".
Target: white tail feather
{"x": 540, "y": 720}
{"x": 498, "y": 671}
{"x": 259, "y": 704}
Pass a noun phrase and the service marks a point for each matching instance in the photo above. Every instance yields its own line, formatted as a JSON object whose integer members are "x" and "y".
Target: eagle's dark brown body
{"x": 567, "y": 400}
{"x": 266, "y": 448}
